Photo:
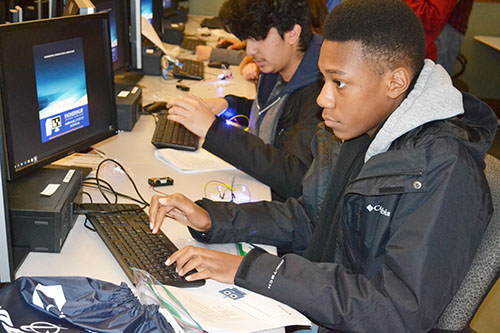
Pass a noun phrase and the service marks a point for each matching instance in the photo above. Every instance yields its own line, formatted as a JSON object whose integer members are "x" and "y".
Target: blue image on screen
{"x": 147, "y": 9}
{"x": 112, "y": 32}
{"x": 61, "y": 87}
{"x": 114, "y": 38}
{"x": 167, "y": 4}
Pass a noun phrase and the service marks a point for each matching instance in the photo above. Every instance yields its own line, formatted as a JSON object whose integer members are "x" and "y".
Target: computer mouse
{"x": 155, "y": 107}
{"x": 218, "y": 64}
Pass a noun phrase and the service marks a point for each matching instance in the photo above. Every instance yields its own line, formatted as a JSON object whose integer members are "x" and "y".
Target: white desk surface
{"x": 491, "y": 41}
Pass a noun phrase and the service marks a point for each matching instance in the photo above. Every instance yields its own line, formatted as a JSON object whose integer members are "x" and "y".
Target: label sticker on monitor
{"x": 61, "y": 87}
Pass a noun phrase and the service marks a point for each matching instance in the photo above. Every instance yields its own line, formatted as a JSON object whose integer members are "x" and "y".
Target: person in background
{"x": 434, "y": 14}
{"x": 248, "y": 69}
{"x": 395, "y": 199}
{"x": 284, "y": 115}
{"x": 233, "y": 54}
{"x": 449, "y": 42}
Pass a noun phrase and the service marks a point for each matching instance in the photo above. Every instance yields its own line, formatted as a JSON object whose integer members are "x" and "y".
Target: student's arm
{"x": 233, "y": 57}
{"x": 290, "y": 229}
{"x": 433, "y": 238}
{"x": 240, "y": 105}
{"x": 280, "y": 166}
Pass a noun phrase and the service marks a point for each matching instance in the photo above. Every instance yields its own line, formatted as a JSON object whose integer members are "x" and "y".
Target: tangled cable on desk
{"x": 220, "y": 191}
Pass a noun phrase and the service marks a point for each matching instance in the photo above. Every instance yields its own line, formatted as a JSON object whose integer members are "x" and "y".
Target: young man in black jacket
{"x": 395, "y": 203}
{"x": 284, "y": 115}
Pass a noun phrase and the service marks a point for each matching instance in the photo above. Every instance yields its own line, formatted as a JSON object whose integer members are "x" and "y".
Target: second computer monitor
{"x": 153, "y": 11}
{"x": 169, "y": 8}
{"x": 118, "y": 28}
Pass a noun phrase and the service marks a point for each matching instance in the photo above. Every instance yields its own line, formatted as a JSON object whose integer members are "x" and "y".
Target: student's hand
{"x": 237, "y": 46}
{"x": 250, "y": 71}
{"x": 228, "y": 41}
{"x": 179, "y": 208}
{"x": 203, "y": 52}
{"x": 192, "y": 112}
{"x": 210, "y": 264}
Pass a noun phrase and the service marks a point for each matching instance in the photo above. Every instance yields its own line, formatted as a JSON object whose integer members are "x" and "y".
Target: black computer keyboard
{"x": 124, "y": 228}
{"x": 191, "y": 43}
{"x": 170, "y": 134}
{"x": 190, "y": 69}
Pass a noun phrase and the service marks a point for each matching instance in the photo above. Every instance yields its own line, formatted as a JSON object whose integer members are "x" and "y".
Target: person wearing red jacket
{"x": 434, "y": 15}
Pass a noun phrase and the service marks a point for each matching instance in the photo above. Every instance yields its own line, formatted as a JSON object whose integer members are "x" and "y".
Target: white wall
{"x": 482, "y": 73}
{"x": 205, "y": 7}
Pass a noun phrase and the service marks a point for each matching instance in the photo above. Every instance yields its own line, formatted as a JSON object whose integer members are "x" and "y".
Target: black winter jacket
{"x": 411, "y": 223}
{"x": 280, "y": 165}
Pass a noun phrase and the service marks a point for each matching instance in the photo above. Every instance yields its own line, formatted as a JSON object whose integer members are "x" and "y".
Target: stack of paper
{"x": 192, "y": 161}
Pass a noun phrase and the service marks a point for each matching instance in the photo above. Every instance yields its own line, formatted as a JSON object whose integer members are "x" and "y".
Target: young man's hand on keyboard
{"x": 181, "y": 209}
{"x": 210, "y": 264}
{"x": 192, "y": 112}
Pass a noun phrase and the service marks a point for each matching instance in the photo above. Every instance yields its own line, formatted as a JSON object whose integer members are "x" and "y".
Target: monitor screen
{"x": 56, "y": 89}
{"x": 147, "y": 9}
{"x": 118, "y": 28}
{"x": 153, "y": 11}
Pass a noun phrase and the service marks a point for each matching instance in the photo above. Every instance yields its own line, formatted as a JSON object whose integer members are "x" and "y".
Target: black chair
{"x": 458, "y": 83}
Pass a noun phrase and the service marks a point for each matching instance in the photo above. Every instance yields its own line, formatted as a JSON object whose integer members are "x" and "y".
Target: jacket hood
{"x": 432, "y": 98}
{"x": 307, "y": 72}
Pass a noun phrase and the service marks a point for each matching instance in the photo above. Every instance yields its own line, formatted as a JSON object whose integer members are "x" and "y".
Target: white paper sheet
{"x": 192, "y": 161}
{"x": 237, "y": 310}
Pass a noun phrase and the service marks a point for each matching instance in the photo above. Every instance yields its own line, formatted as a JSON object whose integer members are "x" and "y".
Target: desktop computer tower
{"x": 39, "y": 222}
{"x": 128, "y": 105}
{"x": 151, "y": 60}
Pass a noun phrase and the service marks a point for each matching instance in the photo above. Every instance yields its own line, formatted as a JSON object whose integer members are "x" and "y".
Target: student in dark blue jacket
{"x": 395, "y": 203}
{"x": 284, "y": 115}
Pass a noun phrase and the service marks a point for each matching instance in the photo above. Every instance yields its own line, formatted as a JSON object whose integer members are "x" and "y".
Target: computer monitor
{"x": 118, "y": 26}
{"x": 153, "y": 11}
{"x": 56, "y": 89}
{"x": 169, "y": 8}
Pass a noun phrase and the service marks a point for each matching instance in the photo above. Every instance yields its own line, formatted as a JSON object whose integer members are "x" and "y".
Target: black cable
{"x": 126, "y": 173}
{"x": 99, "y": 185}
{"x": 110, "y": 188}
{"x": 90, "y": 185}
{"x": 88, "y": 194}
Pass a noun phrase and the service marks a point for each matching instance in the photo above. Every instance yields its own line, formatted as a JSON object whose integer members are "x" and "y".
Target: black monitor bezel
{"x": 80, "y": 146}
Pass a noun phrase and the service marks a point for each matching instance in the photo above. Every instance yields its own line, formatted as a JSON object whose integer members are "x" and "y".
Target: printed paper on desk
{"x": 221, "y": 307}
{"x": 192, "y": 161}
